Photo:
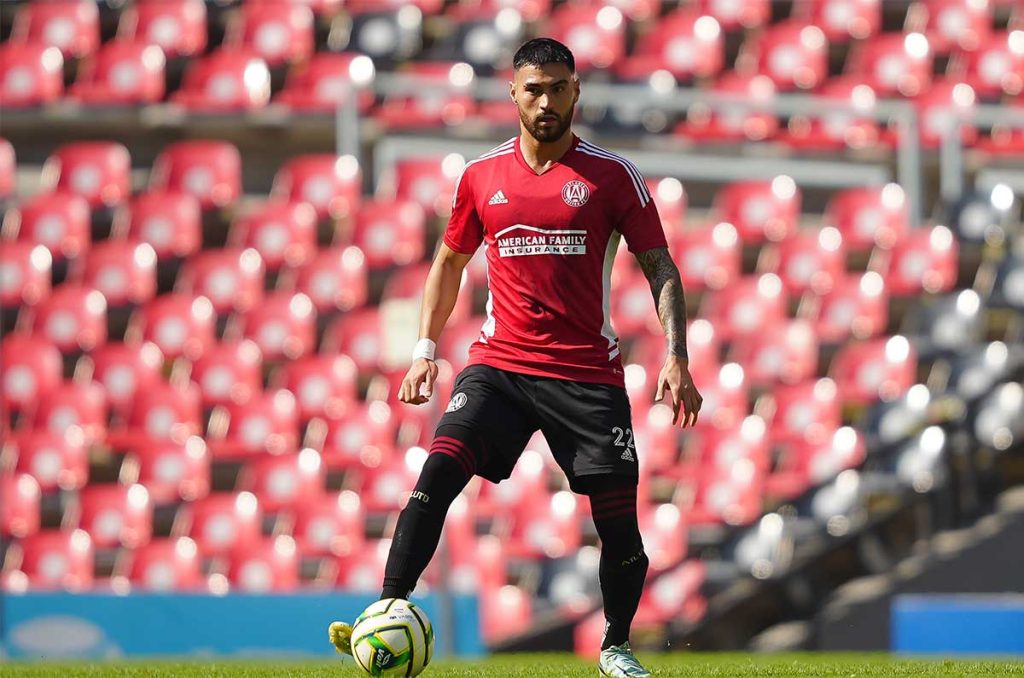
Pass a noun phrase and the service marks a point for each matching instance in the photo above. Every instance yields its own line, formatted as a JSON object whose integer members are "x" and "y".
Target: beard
{"x": 547, "y": 134}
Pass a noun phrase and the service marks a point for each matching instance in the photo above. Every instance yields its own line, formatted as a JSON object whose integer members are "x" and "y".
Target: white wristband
{"x": 424, "y": 349}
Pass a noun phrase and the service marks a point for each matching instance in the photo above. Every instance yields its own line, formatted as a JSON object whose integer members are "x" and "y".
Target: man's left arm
{"x": 667, "y": 288}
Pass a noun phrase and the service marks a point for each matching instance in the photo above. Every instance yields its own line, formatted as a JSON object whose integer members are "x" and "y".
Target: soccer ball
{"x": 392, "y": 637}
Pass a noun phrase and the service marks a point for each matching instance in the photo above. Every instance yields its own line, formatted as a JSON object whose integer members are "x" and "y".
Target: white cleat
{"x": 618, "y": 662}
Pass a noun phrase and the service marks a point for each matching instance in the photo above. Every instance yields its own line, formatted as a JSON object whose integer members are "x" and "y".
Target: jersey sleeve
{"x": 639, "y": 223}
{"x": 465, "y": 231}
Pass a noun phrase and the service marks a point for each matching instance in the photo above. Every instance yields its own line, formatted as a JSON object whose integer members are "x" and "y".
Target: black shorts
{"x": 586, "y": 425}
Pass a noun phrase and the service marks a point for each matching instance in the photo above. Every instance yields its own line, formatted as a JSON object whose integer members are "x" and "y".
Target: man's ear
{"x": 512, "y": 90}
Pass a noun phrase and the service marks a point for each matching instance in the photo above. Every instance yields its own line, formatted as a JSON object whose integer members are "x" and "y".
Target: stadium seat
{"x": 125, "y": 370}
{"x": 709, "y": 257}
{"x": 223, "y": 522}
{"x": 997, "y": 66}
{"x": 596, "y": 34}
{"x": 174, "y": 471}
{"x": 793, "y": 54}
{"x": 684, "y": 42}
{"x": 874, "y": 216}
{"x": 364, "y": 571}
{"x": 808, "y": 411}
{"x": 673, "y": 596}
{"x": 743, "y": 121}
{"x": 783, "y": 353}
{"x": 116, "y": 515}
{"x": 284, "y": 482}
{"x": 875, "y": 369}
{"x": 1006, "y": 289}
{"x": 208, "y": 170}
{"x": 718, "y": 450}
{"x": 8, "y": 169}
{"x": 224, "y": 82}
{"x": 944, "y": 110}
{"x": 670, "y": 198}
{"x": 357, "y": 334}
{"x": 20, "y": 499}
{"x": 327, "y": 81}
{"x": 737, "y": 14}
{"x": 74, "y": 403}
{"x": 390, "y": 233}
{"x": 456, "y": 340}
{"x": 24, "y": 274}
{"x": 331, "y": 184}
{"x": 726, "y": 399}
{"x": 893, "y": 64}
{"x": 266, "y": 423}
{"x": 72, "y": 26}
{"x": 529, "y": 10}
{"x": 427, "y": 7}
{"x": 527, "y": 485}
{"x": 335, "y": 279}
{"x": 731, "y": 496}
{"x": 178, "y": 27}
{"x": 947, "y": 326}
{"x": 364, "y": 436}
{"x": 284, "y": 233}
{"x": 891, "y": 422}
{"x": 386, "y": 489}
{"x": 804, "y": 464}
{"x": 388, "y": 37}
{"x": 505, "y": 612}
{"x": 766, "y": 210}
{"x": 99, "y": 171}
{"x": 702, "y": 344}
{"x": 163, "y": 412}
{"x": 856, "y": 306}
{"x": 955, "y": 24}
{"x": 169, "y": 565}
{"x": 442, "y": 98}
{"x": 278, "y": 33}
{"x": 73, "y": 318}
{"x": 923, "y": 260}
{"x": 811, "y": 260}
{"x": 752, "y": 304}
{"x": 124, "y": 272}
{"x": 57, "y": 460}
{"x": 169, "y": 222}
{"x": 269, "y": 565}
{"x": 843, "y": 20}
{"x": 283, "y": 325}
{"x": 404, "y": 292}
{"x": 228, "y": 371}
{"x": 633, "y": 310}
{"x": 57, "y": 559}
{"x": 836, "y": 129}
{"x": 31, "y": 370}
{"x": 324, "y": 385}
{"x": 664, "y": 531}
{"x": 121, "y": 74}
{"x": 429, "y": 182}
{"x": 330, "y": 524}
{"x": 58, "y": 221}
{"x": 546, "y": 528}
{"x": 482, "y": 35}
{"x": 231, "y": 278}
{"x": 30, "y": 75}
{"x": 179, "y": 324}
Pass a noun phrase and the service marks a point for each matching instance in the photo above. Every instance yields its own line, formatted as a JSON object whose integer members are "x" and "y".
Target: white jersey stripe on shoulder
{"x": 504, "y": 146}
{"x": 636, "y": 185}
{"x": 458, "y": 182}
{"x": 630, "y": 167}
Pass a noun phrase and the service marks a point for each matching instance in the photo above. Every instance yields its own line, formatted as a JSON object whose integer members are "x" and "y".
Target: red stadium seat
{"x": 364, "y": 436}
{"x": 956, "y": 24}
{"x": 208, "y": 170}
{"x": 726, "y": 400}
{"x": 224, "y": 82}
{"x": 178, "y": 27}
{"x": 180, "y": 325}
{"x": 944, "y": 110}
{"x": 335, "y": 279}
{"x": 810, "y": 261}
{"x": 284, "y": 233}
{"x": 674, "y": 596}
{"x": 331, "y": 184}
{"x": 73, "y": 318}
{"x": 548, "y": 528}
{"x": 760, "y": 210}
{"x": 529, "y": 10}
{"x": 8, "y": 167}
{"x": 405, "y": 286}
{"x": 527, "y": 485}
{"x": 57, "y": 559}
{"x": 684, "y": 42}
{"x": 443, "y": 98}
{"x": 324, "y": 385}
{"x": 359, "y": 335}
{"x": 327, "y": 81}
{"x": 731, "y": 496}
{"x": 74, "y": 403}
{"x": 232, "y": 278}
{"x": 656, "y": 436}
{"x": 285, "y": 482}
{"x": 924, "y": 260}
{"x": 805, "y": 412}
{"x": 223, "y": 522}
{"x": 428, "y": 7}
{"x": 703, "y": 347}
{"x": 390, "y": 233}
{"x": 174, "y": 471}
{"x": 270, "y": 565}
{"x": 857, "y": 306}
{"x": 121, "y": 74}
{"x": 24, "y": 274}
{"x": 31, "y": 370}
{"x": 709, "y": 257}
{"x": 633, "y": 310}
{"x": 116, "y": 515}
{"x": 881, "y": 368}
{"x": 19, "y": 505}
{"x": 505, "y": 612}
{"x": 124, "y": 272}
{"x": 72, "y": 26}
{"x": 99, "y": 171}
{"x": 842, "y": 20}
{"x": 30, "y": 75}
{"x": 868, "y": 217}
{"x": 456, "y": 340}
{"x": 805, "y": 465}
{"x": 785, "y": 353}
{"x": 163, "y": 412}
{"x": 793, "y": 54}
{"x": 58, "y": 221}
{"x": 169, "y": 222}
{"x": 278, "y": 33}
{"x": 125, "y": 370}
{"x": 670, "y": 199}
{"x": 852, "y": 127}
{"x": 752, "y": 304}
{"x": 57, "y": 460}
{"x": 737, "y": 14}
{"x": 330, "y": 524}
{"x": 718, "y": 450}
{"x": 364, "y": 571}
{"x": 266, "y": 423}
{"x": 386, "y": 488}
{"x": 664, "y": 530}
{"x": 283, "y": 326}
{"x": 429, "y": 182}
{"x": 229, "y": 371}
{"x": 740, "y": 122}
{"x": 893, "y": 64}
{"x": 595, "y": 34}
{"x": 997, "y": 66}
{"x": 170, "y": 564}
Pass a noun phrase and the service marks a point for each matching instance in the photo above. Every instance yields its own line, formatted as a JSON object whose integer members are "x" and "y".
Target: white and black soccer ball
{"x": 393, "y": 637}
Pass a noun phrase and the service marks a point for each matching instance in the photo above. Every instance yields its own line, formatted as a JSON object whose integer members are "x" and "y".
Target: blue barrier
{"x": 958, "y": 624}
{"x": 102, "y": 625}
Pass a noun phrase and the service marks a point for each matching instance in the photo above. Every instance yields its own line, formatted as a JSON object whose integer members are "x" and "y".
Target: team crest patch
{"x": 457, "y": 402}
{"x": 575, "y": 193}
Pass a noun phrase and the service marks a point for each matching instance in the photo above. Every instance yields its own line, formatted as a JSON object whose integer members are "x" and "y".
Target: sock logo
{"x": 422, "y": 496}
{"x": 633, "y": 559}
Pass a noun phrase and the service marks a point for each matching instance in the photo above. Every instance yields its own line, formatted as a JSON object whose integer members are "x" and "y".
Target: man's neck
{"x": 542, "y": 155}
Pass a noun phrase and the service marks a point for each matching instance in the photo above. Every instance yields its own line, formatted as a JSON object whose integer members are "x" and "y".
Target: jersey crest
{"x": 575, "y": 193}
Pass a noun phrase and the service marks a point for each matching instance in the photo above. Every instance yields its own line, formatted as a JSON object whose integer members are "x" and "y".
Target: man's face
{"x": 546, "y": 97}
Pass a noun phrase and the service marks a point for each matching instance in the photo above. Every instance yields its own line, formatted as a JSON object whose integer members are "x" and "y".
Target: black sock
{"x": 419, "y": 525}
{"x": 623, "y": 561}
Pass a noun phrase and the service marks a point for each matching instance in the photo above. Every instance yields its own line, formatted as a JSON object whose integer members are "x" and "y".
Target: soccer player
{"x": 550, "y": 209}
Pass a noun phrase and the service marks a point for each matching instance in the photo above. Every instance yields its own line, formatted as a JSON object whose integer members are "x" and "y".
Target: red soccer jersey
{"x": 550, "y": 242}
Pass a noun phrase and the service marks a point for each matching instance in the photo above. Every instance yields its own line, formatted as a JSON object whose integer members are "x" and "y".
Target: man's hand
{"x": 675, "y": 376}
{"x": 422, "y": 373}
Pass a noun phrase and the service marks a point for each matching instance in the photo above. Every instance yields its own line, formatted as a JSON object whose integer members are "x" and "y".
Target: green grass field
{"x": 556, "y": 666}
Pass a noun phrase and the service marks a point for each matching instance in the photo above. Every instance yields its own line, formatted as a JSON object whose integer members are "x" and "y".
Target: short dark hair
{"x": 540, "y": 51}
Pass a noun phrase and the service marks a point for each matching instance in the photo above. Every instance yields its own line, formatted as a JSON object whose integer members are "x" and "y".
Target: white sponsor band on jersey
{"x": 540, "y": 241}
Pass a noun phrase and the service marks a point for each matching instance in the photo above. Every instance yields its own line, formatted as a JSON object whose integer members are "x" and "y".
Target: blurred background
{"x": 218, "y": 218}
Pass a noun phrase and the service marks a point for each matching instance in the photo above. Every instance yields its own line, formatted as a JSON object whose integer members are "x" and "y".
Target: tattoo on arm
{"x": 667, "y": 288}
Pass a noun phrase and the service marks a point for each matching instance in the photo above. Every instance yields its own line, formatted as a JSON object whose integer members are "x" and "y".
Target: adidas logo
{"x": 627, "y": 455}
{"x": 498, "y": 199}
